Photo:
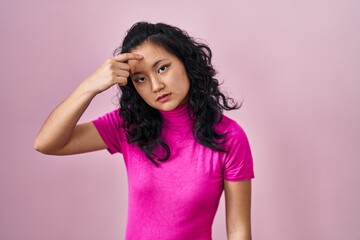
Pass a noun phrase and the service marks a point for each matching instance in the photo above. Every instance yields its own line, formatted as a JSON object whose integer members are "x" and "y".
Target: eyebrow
{"x": 153, "y": 66}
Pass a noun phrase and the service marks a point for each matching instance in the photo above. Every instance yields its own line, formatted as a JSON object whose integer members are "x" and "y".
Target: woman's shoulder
{"x": 234, "y": 133}
{"x": 110, "y": 118}
{"x": 115, "y": 113}
{"x": 228, "y": 125}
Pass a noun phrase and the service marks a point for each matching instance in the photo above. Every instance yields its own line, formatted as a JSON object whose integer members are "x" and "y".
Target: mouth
{"x": 163, "y": 96}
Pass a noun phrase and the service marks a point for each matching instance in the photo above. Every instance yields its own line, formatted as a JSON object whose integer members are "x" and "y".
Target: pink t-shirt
{"x": 179, "y": 199}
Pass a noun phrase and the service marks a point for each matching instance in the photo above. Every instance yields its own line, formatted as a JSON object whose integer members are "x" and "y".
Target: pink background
{"x": 295, "y": 64}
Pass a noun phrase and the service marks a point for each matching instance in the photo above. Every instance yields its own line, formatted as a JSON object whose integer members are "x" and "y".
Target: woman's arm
{"x": 61, "y": 134}
{"x": 238, "y": 209}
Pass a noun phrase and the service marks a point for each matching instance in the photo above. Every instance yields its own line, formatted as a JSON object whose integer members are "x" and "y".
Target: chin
{"x": 166, "y": 106}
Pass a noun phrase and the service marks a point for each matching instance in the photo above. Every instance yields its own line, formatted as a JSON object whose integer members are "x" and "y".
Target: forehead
{"x": 151, "y": 53}
{"x": 148, "y": 47}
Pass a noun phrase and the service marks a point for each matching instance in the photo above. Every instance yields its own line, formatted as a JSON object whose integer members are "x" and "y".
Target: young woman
{"x": 180, "y": 151}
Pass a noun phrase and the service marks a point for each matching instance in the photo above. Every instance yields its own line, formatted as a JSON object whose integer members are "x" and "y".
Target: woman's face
{"x": 159, "y": 77}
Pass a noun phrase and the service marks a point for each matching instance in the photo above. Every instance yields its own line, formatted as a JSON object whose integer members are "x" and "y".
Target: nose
{"x": 156, "y": 84}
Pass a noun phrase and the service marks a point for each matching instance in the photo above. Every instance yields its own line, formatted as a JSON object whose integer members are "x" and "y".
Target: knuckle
{"x": 108, "y": 65}
{"x": 111, "y": 67}
{"x": 122, "y": 81}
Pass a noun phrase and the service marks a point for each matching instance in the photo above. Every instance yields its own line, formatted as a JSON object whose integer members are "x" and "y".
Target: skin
{"x": 159, "y": 73}
{"x": 154, "y": 72}
{"x": 238, "y": 209}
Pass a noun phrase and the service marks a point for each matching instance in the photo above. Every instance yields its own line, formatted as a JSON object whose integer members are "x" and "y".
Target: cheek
{"x": 142, "y": 91}
{"x": 181, "y": 80}
{"x": 138, "y": 90}
{"x": 186, "y": 84}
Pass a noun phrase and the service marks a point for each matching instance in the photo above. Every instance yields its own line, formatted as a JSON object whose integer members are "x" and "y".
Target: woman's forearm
{"x": 59, "y": 125}
{"x": 239, "y": 236}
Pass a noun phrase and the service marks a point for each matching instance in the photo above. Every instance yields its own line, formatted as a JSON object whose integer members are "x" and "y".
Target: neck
{"x": 177, "y": 117}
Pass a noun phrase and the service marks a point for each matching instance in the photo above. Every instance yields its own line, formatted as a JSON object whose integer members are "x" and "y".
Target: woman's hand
{"x": 113, "y": 71}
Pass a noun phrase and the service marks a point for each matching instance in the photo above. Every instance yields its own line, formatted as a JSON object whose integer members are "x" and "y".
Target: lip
{"x": 163, "y": 97}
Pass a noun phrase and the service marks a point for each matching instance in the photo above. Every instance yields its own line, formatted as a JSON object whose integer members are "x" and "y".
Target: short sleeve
{"x": 109, "y": 127}
{"x": 238, "y": 163}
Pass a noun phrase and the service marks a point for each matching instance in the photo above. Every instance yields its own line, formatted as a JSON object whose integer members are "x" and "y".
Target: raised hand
{"x": 113, "y": 71}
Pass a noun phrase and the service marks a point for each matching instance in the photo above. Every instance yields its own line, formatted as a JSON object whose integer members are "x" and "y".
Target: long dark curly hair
{"x": 206, "y": 102}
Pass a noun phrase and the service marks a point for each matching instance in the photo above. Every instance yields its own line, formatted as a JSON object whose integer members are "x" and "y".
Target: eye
{"x": 139, "y": 79}
{"x": 163, "y": 68}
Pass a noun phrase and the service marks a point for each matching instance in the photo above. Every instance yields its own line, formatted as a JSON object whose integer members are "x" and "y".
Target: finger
{"x": 122, "y": 66}
{"x": 122, "y": 81}
{"x": 127, "y": 56}
{"x": 121, "y": 73}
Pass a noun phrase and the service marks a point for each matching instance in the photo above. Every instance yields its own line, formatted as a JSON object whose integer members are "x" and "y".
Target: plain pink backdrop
{"x": 294, "y": 63}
